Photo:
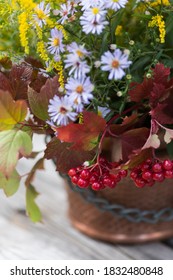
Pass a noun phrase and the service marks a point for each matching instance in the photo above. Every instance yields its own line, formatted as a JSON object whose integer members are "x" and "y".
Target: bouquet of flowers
{"x": 95, "y": 76}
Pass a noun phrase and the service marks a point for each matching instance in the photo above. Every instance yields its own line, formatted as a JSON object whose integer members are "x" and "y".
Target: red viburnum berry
{"x": 72, "y": 172}
{"x": 167, "y": 164}
{"x": 75, "y": 179}
{"x": 158, "y": 176}
{"x": 82, "y": 183}
{"x": 85, "y": 174}
{"x": 157, "y": 167}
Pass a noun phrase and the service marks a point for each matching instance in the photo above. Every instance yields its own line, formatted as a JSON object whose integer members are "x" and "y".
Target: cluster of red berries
{"x": 97, "y": 176}
{"x": 151, "y": 171}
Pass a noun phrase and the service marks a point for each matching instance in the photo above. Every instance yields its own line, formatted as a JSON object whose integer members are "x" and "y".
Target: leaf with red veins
{"x": 127, "y": 123}
{"x": 5, "y": 84}
{"x": 19, "y": 77}
{"x": 128, "y": 142}
{"x": 65, "y": 157}
{"x": 168, "y": 135}
{"x": 83, "y": 136}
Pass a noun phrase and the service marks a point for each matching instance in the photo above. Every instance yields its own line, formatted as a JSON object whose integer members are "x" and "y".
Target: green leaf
{"x": 31, "y": 207}
{"x": 11, "y": 112}
{"x": 10, "y": 185}
{"x": 39, "y": 101}
{"x": 13, "y": 145}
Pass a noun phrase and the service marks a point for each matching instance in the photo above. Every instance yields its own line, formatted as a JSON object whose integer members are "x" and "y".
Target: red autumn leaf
{"x": 152, "y": 88}
{"x": 19, "y": 77}
{"x": 83, "y": 136}
{"x": 65, "y": 157}
{"x": 140, "y": 156}
{"x": 138, "y": 92}
{"x": 5, "y": 84}
{"x": 127, "y": 123}
{"x": 161, "y": 74}
{"x": 129, "y": 142}
{"x": 39, "y": 101}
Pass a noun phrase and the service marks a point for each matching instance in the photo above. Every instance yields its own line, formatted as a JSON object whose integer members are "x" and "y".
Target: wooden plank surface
{"x": 55, "y": 238}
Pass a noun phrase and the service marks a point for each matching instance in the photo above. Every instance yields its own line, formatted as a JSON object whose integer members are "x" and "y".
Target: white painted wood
{"x": 55, "y": 238}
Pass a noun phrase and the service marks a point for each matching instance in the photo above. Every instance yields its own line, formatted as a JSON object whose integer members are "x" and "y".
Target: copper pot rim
{"x": 121, "y": 238}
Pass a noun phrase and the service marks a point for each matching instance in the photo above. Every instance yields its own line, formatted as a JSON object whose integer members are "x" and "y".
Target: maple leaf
{"x": 127, "y": 123}
{"x": 11, "y": 112}
{"x": 39, "y": 101}
{"x": 152, "y": 88}
{"x": 128, "y": 142}
{"x": 13, "y": 145}
{"x": 65, "y": 157}
{"x": 83, "y": 136}
{"x": 138, "y": 157}
{"x": 163, "y": 112}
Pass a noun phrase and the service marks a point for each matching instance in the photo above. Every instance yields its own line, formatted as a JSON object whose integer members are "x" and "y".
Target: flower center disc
{"x": 79, "y": 89}
{"x": 40, "y": 14}
{"x": 115, "y": 63}
{"x": 63, "y": 110}
{"x": 95, "y": 10}
{"x": 56, "y": 42}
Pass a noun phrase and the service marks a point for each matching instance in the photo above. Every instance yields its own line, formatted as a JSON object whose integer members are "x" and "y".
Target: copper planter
{"x": 103, "y": 225}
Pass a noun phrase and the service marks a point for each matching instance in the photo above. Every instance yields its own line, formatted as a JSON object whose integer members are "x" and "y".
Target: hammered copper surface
{"x": 103, "y": 225}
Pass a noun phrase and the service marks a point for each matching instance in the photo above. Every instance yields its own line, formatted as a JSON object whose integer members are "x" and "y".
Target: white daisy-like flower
{"x": 95, "y": 27}
{"x": 41, "y": 13}
{"x": 95, "y": 13}
{"x": 78, "y": 67}
{"x": 80, "y": 90}
{"x": 78, "y": 107}
{"x": 86, "y": 4}
{"x": 56, "y": 45}
{"x": 103, "y": 111}
{"x": 78, "y": 50}
{"x": 115, "y": 63}
{"x": 115, "y": 4}
{"x": 61, "y": 110}
{"x": 64, "y": 12}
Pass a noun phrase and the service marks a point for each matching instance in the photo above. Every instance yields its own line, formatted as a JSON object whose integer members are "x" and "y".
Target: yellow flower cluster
{"x": 159, "y": 22}
{"x": 42, "y": 51}
{"x": 118, "y": 30}
{"x": 60, "y": 27}
{"x": 23, "y": 30}
{"x": 159, "y": 3}
{"x": 59, "y": 67}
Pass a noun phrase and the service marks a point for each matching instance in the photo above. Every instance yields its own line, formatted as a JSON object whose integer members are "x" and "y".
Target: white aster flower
{"x": 78, "y": 67}
{"x": 78, "y": 50}
{"x": 64, "y": 12}
{"x": 61, "y": 110}
{"x": 115, "y": 4}
{"x": 56, "y": 45}
{"x": 80, "y": 90}
{"x": 103, "y": 111}
{"x": 95, "y": 27}
{"x": 90, "y": 3}
{"x": 41, "y": 13}
{"x": 78, "y": 107}
{"x": 115, "y": 63}
{"x": 95, "y": 13}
